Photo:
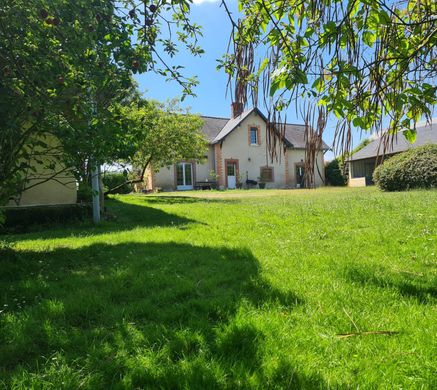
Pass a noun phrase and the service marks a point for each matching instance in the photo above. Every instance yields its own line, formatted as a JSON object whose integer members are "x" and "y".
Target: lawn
{"x": 242, "y": 289}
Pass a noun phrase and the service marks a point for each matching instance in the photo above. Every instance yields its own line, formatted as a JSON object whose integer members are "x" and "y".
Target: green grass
{"x": 242, "y": 289}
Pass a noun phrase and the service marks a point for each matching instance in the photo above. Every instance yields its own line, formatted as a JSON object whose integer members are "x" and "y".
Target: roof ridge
{"x": 295, "y": 124}
{"x": 214, "y": 117}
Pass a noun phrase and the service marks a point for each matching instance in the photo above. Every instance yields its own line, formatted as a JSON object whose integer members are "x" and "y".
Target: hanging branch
{"x": 379, "y": 63}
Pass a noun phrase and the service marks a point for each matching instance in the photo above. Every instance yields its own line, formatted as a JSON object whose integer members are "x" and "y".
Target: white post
{"x": 96, "y": 192}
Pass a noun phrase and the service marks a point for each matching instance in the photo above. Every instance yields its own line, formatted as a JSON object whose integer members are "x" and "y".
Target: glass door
{"x": 184, "y": 176}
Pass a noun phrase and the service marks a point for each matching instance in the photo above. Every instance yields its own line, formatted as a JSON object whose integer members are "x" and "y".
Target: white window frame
{"x": 255, "y": 130}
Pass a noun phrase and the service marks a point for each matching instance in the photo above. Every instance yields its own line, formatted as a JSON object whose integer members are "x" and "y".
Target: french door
{"x": 184, "y": 176}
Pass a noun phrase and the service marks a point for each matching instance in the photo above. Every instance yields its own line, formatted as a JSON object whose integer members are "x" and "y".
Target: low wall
{"x": 357, "y": 182}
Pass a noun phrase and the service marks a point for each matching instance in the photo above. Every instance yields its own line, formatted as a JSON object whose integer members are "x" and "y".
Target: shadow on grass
{"x": 157, "y": 315}
{"x": 418, "y": 287}
{"x": 185, "y": 200}
{"x": 121, "y": 216}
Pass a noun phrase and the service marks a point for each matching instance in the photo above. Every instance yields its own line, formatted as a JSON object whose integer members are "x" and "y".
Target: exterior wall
{"x": 362, "y": 168}
{"x": 61, "y": 191}
{"x": 204, "y": 169}
{"x": 165, "y": 178}
{"x": 357, "y": 182}
{"x": 58, "y": 189}
{"x": 251, "y": 157}
{"x": 219, "y": 164}
{"x": 297, "y": 157}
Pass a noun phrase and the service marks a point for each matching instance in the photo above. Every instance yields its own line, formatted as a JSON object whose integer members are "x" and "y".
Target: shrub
{"x": 112, "y": 180}
{"x": 415, "y": 168}
{"x": 84, "y": 193}
{"x": 334, "y": 173}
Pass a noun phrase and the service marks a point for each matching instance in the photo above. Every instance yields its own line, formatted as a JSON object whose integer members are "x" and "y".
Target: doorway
{"x": 184, "y": 176}
{"x": 231, "y": 173}
{"x": 300, "y": 176}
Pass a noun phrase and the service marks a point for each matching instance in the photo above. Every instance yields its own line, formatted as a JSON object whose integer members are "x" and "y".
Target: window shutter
{"x": 266, "y": 174}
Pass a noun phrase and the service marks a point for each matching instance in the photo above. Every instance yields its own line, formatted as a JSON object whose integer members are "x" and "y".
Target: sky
{"x": 210, "y": 99}
{"x": 211, "y": 96}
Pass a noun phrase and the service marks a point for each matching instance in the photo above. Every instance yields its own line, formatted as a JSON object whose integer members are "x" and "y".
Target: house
{"x": 48, "y": 181}
{"x": 363, "y": 163}
{"x": 238, "y": 152}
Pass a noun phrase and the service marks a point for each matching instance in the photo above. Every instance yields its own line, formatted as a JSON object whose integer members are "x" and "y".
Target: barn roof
{"x": 425, "y": 134}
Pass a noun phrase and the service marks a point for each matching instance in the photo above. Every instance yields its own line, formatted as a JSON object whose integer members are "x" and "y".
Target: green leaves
{"x": 163, "y": 134}
{"x": 319, "y": 84}
{"x": 61, "y": 60}
{"x": 369, "y": 38}
{"x": 410, "y": 135}
{"x": 362, "y": 60}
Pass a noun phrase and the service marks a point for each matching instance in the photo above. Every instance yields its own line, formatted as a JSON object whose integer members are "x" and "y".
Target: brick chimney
{"x": 236, "y": 109}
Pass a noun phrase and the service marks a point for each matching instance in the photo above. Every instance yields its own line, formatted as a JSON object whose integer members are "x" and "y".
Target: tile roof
{"x": 232, "y": 124}
{"x": 425, "y": 134}
{"x": 212, "y": 126}
{"x": 295, "y": 134}
{"x": 216, "y": 129}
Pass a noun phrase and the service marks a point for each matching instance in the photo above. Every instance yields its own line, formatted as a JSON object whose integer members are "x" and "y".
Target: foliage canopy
{"x": 361, "y": 61}
{"x": 160, "y": 134}
{"x": 66, "y": 65}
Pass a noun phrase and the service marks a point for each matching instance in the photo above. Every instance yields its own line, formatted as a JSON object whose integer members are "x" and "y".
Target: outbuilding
{"x": 363, "y": 163}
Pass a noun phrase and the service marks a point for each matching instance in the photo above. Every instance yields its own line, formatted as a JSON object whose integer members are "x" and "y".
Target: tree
{"x": 361, "y": 61}
{"x": 66, "y": 65}
{"x": 160, "y": 135}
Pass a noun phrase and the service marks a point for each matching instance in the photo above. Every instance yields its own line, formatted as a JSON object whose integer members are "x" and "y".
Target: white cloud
{"x": 198, "y": 2}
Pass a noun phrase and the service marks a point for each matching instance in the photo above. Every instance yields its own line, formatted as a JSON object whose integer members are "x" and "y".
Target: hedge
{"x": 415, "y": 168}
{"x": 334, "y": 173}
{"x": 20, "y": 219}
{"x": 114, "y": 179}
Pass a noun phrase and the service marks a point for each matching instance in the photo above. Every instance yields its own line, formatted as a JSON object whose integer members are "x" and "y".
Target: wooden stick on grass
{"x": 386, "y": 332}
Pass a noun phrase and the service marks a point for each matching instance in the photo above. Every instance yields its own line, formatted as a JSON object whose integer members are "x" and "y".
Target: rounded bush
{"x": 415, "y": 168}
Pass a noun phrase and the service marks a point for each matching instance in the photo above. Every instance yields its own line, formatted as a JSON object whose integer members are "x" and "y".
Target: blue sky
{"x": 211, "y": 91}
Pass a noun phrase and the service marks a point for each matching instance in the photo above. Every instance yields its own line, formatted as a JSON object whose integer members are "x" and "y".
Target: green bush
{"x": 334, "y": 173}
{"x": 112, "y": 180}
{"x": 84, "y": 193}
{"x": 415, "y": 168}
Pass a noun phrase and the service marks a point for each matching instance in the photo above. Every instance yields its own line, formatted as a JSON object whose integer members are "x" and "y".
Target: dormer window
{"x": 254, "y": 135}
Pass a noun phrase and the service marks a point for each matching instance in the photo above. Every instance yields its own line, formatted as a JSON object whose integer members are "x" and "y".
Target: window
{"x": 266, "y": 174}
{"x": 254, "y": 136}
